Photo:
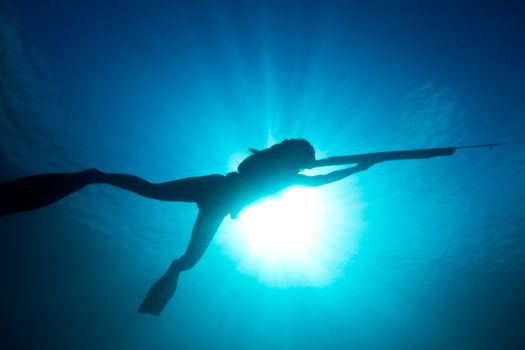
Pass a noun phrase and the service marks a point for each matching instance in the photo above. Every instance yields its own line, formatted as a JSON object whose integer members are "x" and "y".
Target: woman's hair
{"x": 292, "y": 155}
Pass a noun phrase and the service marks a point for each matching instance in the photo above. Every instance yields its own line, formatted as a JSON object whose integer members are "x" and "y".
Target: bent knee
{"x": 186, "y": 262}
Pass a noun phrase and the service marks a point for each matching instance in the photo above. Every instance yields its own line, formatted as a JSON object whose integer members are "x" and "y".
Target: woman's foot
{"x": 160, "y": 293}
{"x": 93, "y": 175}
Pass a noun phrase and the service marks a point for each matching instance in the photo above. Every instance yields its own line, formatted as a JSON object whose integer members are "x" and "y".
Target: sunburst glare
{"x": 301, "y": 237}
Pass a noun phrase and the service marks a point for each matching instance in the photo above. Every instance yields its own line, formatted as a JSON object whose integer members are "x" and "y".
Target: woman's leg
{"x": 36, "y": 191}
{"x": 204, "y": 230}
{"x": 192, "y": 189}
{"x": 206, "y": 225}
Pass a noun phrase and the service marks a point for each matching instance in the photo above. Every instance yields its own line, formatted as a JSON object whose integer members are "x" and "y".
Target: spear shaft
{"x": 376, "y": 157}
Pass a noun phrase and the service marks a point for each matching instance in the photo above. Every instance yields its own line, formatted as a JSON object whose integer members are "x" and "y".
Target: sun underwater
{"x": 300, "y": 237}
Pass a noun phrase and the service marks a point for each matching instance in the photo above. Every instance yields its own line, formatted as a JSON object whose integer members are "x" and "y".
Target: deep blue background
{"x": 173, "y": 89}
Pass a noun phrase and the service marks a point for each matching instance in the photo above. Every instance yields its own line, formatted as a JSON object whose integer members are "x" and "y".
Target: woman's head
{"x": 298, "y": 153}
{"x": 289, "y": 155}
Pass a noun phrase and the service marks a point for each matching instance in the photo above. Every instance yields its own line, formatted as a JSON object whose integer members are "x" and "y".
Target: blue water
{"x": 433, "y": 251}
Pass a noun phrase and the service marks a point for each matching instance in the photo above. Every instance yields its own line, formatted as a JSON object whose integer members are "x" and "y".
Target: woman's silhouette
{"x": 263, "y": 173}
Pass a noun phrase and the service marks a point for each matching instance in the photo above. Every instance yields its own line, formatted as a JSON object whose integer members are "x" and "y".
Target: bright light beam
{"x": 302, "y": 237}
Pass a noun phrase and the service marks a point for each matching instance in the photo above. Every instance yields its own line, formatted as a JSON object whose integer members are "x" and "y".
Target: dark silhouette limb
{"x": 320, "y": 180}
{"x": 161, "y": 291}
{"x": 206, "y": 225}
{"x": 193, "y": 189}
{"x": 32, "y": 192}
{"x": 36, "y": 191}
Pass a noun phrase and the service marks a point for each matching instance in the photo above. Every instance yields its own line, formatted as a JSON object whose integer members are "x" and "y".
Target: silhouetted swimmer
{"x": 262, "y": 174}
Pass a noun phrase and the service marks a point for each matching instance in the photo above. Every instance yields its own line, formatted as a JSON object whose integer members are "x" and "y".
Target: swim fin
{"x": 160, "y": 293}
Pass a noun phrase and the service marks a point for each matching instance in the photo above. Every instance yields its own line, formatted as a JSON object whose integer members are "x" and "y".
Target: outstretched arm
{"x": 319, "y": 180}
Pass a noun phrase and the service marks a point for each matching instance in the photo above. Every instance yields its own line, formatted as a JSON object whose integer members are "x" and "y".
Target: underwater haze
{"x": 415, "y": 254}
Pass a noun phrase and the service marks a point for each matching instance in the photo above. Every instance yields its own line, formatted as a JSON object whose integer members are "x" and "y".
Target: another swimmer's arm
{"x": 319, "y": 180}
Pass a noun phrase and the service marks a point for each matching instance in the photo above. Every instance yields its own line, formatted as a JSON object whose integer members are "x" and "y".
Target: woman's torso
{"x": 244, "y": 189}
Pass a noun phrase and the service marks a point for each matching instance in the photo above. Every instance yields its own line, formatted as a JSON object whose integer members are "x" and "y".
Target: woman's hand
{"x": 319, "y": 180}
